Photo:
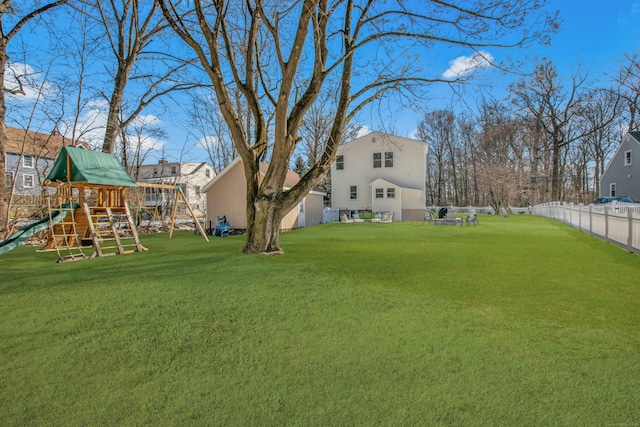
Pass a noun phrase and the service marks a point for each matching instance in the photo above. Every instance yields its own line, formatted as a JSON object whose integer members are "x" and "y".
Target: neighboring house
{"x": 622, "y": 176}
{"x": 381, "y": 173}
{"x": 227, "y": 196}
{"x": 29, "y": 157}
{"x": 190, "y": 176}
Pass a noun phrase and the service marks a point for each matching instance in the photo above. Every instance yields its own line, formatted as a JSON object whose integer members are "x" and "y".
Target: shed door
{"x": 301, "y": 220}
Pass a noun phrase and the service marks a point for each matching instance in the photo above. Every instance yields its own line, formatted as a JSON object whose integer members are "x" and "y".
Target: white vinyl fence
{"x": 618, "y": 223}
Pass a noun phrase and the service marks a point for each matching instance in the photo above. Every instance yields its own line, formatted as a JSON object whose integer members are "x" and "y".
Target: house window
{"x": 379, "y": 193}
{"x": 174, "y": 170}
{"x": 155, "y": 171}
{"x": 340, "y": 163}
{"x": 197, "y": 190}
{"x": 27, "y": 180}
{"x": 388, "y": 159}
{"x": 377, "y": 160}
{"x": 27, "y": 161}
{"x": 353, "y": 192}
{"x": 612, "y": 189}
{"x": 8, "y": 179}
{"x": 627, "y": 158}
{"x": 207, "y": 173}
{"x": 391, "y": 193}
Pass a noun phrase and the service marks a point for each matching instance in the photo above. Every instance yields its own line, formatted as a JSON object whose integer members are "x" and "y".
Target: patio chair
{"x": 429, "y": 217}
{"x": 472, "y": 219}
{"x": 345, "y": 220}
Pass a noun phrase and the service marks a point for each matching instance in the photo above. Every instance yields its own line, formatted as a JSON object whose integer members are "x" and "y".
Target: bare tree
{"x": 600, "y": 121}
{"x": 437, "y": 129}
{"x": 206, "y": 121}
{"x": 12, "y": 19}
{"x": 502, "y": 172}
{"x": 628, "y": 80}
{"x": 281, "y": 54}
{"x": 552, "y": 109}
{"x": 142, "y": 52}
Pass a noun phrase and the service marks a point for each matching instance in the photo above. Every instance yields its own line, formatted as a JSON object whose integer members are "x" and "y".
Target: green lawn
{"x": 519, "y": 321}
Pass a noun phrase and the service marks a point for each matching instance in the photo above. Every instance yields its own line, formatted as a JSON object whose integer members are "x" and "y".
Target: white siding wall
{"x": 408, "y": 169}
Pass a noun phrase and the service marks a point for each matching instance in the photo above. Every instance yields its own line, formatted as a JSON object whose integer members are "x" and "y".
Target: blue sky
{"x": 592, "y": 38}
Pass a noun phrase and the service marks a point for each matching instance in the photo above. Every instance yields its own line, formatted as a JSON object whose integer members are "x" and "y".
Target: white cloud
{"x": 464, "y": 65}
{"x": 208, "y": 141}
{"x": 32, "y": 83}
{"x": 364, "y": 130}
{"x": 93, "y": 122}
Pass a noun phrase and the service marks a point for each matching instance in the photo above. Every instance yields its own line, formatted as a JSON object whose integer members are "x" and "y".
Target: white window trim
{"x": 24, "y": 161}
{"x": 394, "y": 193}
{"x": 380, "y": 192}
{"x": 628, "y": 163}
{"x": 341, "y": 162}
{"x": 33, "y": 180}
{"x": 612, "y": 189}
{"x": 383, "y": 159}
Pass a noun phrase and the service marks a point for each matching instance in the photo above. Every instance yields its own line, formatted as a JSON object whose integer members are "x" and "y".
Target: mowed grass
{"x": 519, "y": 321}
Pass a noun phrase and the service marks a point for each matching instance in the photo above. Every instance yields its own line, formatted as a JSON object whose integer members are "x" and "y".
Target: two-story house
{"x": 29, "y": 156}
{"x": 622, "y": 176}
{"x": 190, "y": 176}
{"x": 381, "y": 173}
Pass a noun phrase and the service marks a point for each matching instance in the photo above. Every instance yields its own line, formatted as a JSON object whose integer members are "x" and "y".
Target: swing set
{"x": 90, "y": 210}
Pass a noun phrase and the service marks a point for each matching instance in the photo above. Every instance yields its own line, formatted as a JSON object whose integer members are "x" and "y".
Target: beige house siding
{"x": 314, "y": 204}
{"x": 226, "y": 196}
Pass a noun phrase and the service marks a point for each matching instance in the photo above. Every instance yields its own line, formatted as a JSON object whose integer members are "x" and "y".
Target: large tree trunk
{"x": 263, "y": 230}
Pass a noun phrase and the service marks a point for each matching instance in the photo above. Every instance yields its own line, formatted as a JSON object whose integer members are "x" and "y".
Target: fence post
{"x": 606, "y": 224}
{"x": 630, "y": 238}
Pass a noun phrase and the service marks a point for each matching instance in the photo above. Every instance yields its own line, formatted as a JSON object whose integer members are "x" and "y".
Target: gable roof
{"x": 92, "y": 167}
{"x": 290, "y": 180}
{"x": 36, "y": 144}
{"x": 379, "y": 136}
{"x": 635, "y": 134}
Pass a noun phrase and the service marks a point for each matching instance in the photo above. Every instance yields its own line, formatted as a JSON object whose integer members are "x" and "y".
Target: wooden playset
{"x": 90, "y": 197}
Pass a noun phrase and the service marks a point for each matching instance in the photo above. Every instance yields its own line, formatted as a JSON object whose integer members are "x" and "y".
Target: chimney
{"x": 162, "y": 162}
{"x": 55, "y": 133}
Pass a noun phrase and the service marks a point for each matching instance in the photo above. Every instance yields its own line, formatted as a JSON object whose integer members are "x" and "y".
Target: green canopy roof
{"x": 88, "y": 166}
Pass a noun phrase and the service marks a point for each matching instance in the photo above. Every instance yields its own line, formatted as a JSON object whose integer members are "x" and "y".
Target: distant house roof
{"x": 636, "y": 135}
{"x": 88, "y": 166}
{"x": 36, "y": 144}
{"x": 290, "y": 180}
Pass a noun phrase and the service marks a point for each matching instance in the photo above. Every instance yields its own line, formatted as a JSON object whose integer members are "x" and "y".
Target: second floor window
{"x": 388, "y": 160}
{"x": 353, "y": 192}
{"x": 627, "y": 158}
{"x": 340, "y": 163}
{"x": 174, "y": 170}
{"x": 27, "y": 161}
